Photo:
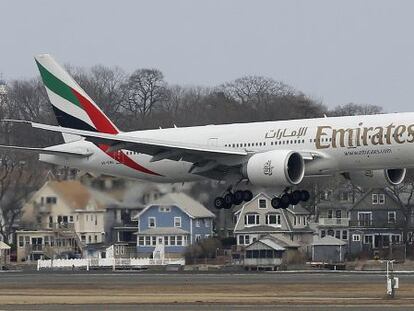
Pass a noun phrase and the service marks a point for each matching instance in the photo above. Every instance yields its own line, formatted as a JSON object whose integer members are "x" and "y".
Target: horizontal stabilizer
{"x": 46, "y": 151}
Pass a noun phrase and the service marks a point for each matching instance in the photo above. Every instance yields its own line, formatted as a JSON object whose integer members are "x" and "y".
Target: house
{"x": 4, "y": 255}
{"x": 376, "y": 222}
{"x": 333, "y": 219}
{"x": 263, "y": 253}
{"x": 258, "y": 218}
{"x": 328, "y": 249}
{"x": 60, "y": 219}
{"x": 171, "y": 223}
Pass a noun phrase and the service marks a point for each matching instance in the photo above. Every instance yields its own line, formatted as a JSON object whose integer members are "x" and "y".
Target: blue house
{"x": 171, "y": 223}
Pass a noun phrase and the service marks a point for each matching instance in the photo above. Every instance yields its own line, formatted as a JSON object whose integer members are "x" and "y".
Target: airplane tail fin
{"x": 73, "y": 108}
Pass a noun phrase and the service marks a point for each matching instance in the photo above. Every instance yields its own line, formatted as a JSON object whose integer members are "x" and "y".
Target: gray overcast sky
{"x": 336, "y": 51}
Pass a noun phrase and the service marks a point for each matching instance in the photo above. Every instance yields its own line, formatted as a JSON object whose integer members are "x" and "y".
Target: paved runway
{"x": 207, "y": 291}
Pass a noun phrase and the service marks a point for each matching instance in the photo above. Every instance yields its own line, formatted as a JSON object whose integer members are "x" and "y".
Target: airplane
{"x": 370, "y": 150}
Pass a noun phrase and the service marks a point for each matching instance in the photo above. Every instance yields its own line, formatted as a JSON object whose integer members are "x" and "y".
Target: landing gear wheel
{"x": 284, "y": 201}
{"x": 238, "y": 197}
{"x": 304, "y": 196}
{"x": 275, "y": 203}
{"x": 229, "y": 199}
{"x": 295, "y": 197}
{"x": 247, "y": 195}
{"x": 219, "y": 203}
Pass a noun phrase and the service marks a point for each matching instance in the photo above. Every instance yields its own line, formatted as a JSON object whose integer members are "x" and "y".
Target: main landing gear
{"x": 290, "y": 198}
{"x": 231, "y": 198}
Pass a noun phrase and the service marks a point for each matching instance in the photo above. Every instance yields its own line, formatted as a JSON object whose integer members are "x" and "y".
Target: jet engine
{"x": 378, "y": 178}
{"x": 275, "y": 168}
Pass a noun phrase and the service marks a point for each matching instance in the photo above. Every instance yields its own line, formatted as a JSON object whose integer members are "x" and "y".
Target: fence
{"x": 107, "y": 262}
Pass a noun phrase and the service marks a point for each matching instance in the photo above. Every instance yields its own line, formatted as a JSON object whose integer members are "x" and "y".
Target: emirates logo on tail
{"x": 268, "y": 168}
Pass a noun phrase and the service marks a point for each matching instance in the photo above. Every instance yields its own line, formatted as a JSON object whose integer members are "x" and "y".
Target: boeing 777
{"x": 372, "y": 150}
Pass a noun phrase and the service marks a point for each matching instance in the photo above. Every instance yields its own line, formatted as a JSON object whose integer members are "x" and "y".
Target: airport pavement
{"x": 97, "y": 290}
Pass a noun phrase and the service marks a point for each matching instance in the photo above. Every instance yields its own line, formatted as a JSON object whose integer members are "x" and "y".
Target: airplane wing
{"x": 209, "y": 161}
{"x": 46, "y": 151}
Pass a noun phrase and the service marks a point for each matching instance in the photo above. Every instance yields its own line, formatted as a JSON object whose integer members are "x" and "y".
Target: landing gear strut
{"x": 290, "y": 198}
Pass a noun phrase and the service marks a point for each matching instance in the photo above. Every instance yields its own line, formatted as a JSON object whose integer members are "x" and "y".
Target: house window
{"x": 330, "y": 213}
{"x": 338, "y": 213}
{"x": 241, "y": 240}
{"x": 89, "y": 239}
{"x": 244, "y": 239}
{"x": 164, "y": 209}
{"x": 338, "y": 234}
{"x": 180, "y": 240}
{"x": 207, "y": 223}
{"x": 356, "y": 237}
{"x": 331, "y": 232}
{"x": 323, "y": 233}
{"x": 70, "y": 218}
{"x": 391, "y": 217}
{"x": 153, "y": 240}
{"x": 148, "y": 241}
{"x": 172, "y": 240}
{"x": 197, "y": 223}
{"x": 47, "y": 240}
{"x": 151, "y": 222}
{"x": 381, "y": 198}
{"x": 374, "y": 198}
{"x": 262, "y": 203}
{"x": 252, "y": 219}
{"x": 21, "y": 241}
{"x": 364, "y": 219}
{"x": 51, "y": 200}
{"x": 166, "y": 240}
{"x": 83, "y": 238}
{"x": 395, "y": 238}
{"x": 368, "y": 239}
{"x": 273, "y": 219}
{"x": 197, "y": 237}
{"x": 177, "y": 222}
{"x": 141, "y": 240}
{"x": 344, "y": 234}
{"x": 344, "y": 196}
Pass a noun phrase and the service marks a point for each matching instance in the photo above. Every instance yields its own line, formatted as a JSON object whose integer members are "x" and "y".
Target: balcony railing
{"x": 343, "y": 222}
{"x": 369, "y": 223}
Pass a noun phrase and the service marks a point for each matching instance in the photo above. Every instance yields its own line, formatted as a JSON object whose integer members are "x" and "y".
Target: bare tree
{"x": 352, "y": 109}
{"x": 144, "y": 89}
{"x": 104, "y": 85}
{"x": 19, "y": 177}
{"x": 256, "y": 90}
{"x": 404, "y": 194}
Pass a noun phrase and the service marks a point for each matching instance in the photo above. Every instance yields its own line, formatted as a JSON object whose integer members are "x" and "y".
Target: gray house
{"x": 258, "y": 218}
{"x": 328, "y": 250}
{"x": 376, "y": 222}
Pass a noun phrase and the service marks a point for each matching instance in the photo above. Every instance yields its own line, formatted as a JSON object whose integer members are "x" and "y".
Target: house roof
{"x": 260, "y": 229}
{"x": 364, "y": 203}
{"x": 186, "y": 203}
{"x": 268, "y": 242}
{"x": 327, "y": 240}
{"x": 298, "y": 210}
{"x": 4, "y": 245}
{"x": 163, "y": 230}
{"x": 77, "y": 196}
{"x": 283, "y": 241}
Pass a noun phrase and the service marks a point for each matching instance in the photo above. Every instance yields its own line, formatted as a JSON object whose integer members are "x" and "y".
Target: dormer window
{"x": 262, "y": 203}
{"x": 273, "y": 219}
{"x": 378, "y": 198}
{"x": 251, "y": 219}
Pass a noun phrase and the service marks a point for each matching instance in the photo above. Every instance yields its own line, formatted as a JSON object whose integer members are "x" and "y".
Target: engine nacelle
{"x": 378, "y": 178}
{"x": 275, "y": 168}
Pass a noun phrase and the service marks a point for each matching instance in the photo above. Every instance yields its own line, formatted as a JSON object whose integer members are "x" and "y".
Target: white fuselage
{"x": 341, "y": 143}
